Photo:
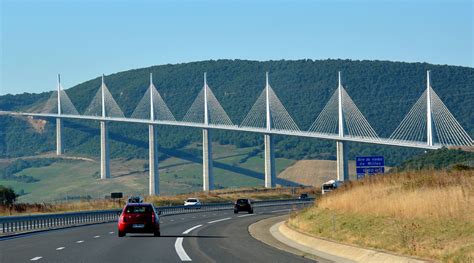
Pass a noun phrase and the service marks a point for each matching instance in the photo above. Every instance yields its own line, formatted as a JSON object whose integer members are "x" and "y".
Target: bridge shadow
{"x": 179, "y": 154}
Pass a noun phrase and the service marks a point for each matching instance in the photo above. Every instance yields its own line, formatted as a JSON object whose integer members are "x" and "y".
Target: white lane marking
{"x": 80, "y": 241}
{"x": 182, "y": 218}
{"x": 60, "y": 248}
{"x": 178, "y": 246}
{"x": 96, "y": 236}
{"x": 246, "y": 215}
{"x": 194, "y": 217}
{"x": 35, "y": 258}
{"x": 283, "y": 210}
{"x": 171, "y": 220}
{"x": 213, "y": 214}
{"x": 218, "y": 220}
{"x": 191, "y": 229}
{"x": 111, "y": 232}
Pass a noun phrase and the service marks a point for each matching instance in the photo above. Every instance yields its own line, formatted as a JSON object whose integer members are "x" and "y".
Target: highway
{"x": 215, "y": 236}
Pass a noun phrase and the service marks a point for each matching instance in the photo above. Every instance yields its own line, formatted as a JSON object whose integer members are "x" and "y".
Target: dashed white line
{"x": 182, "y": 218}
{"x": 111, "y": 232}
{"x": 191, "y": 229}
{"x": 246, "y": 215}
{"x": 96, "y": 236}
{"x": 80, "y": 241}
{"x": 219, "y": 220}
{"x": 60, "y": 248}
{"x": 171, "y": 220}
{"x": 178, "y": 245}
{"x": 36, "y": 258}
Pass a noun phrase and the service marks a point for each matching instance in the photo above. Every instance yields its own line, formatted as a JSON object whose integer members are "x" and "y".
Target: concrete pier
{"x": 104, "y": 151}
{"x": 207, "y": 174}
{"x": 59, "y": 136}
{"x": 270, "y": 176}
{"x": 342, "y": 162}
{"x": 154, "y": 180}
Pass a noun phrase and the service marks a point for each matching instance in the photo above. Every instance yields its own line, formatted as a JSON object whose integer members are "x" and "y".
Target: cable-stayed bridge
{"x": 428, "y": 125}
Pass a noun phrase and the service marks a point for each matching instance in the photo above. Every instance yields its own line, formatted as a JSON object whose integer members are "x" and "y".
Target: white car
{"x": 192, "y": 202}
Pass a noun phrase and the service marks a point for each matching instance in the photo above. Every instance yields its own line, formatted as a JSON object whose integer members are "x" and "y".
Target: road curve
{"x": 215, "y": 236}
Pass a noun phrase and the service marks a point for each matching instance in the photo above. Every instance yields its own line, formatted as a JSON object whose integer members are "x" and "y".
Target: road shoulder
{"x": 261, "y": 231}
{"x": 275, "y": 232}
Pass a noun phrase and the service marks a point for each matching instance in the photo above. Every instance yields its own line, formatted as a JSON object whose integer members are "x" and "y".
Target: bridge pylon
{"x": 59, "y": 123}
{"x": 207, "y": 164}
{"x": 342, "y": 166}
{"x": 154, "y": 175}
{"x": 104, "y": 139}
{"x": 270, "y": 174}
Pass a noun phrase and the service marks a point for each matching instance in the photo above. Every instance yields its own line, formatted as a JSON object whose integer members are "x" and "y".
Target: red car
{"x": 139, "y": 218}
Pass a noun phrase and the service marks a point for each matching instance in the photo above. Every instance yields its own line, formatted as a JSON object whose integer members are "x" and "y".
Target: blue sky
{"x": 83, "y": 39}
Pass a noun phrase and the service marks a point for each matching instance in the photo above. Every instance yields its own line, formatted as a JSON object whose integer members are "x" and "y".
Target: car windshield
{"x": 242, "y": 201}
{"x": 137, "y": 209}
{"x": 192, "y": 200}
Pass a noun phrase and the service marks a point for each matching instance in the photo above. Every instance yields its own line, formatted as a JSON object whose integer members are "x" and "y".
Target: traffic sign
{"x": 370, "y": 170}
{"x": 370, "y": 161}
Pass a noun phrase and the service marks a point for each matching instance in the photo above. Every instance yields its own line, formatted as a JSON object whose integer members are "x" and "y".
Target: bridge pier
{"x": 207, "y": 167}
{"x": 154, "y": 180}
{"x": 342, "y": 164}
{"x": 270, "y": 178}
{"x": 104, "y": 151}
{"x": 59, "y": 137}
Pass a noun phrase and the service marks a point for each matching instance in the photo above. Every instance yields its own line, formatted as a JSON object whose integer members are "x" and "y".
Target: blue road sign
{"x": 370, "y": 161}
{"x": 370, "y": 170}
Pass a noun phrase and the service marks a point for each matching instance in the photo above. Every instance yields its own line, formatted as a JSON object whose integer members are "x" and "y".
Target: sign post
{"x": 369, "y": 165}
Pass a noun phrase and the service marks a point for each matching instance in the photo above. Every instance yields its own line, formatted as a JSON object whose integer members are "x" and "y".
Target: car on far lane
{"x": 192, "y": 203}
{"x": 243, "y": 205}
{"x": 139, "y": 218}
{"x": 303, "y": 196}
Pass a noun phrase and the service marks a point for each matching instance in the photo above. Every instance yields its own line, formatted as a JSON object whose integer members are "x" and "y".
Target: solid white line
{"x": 35, "y": 258}
{"x": 283, "y": 210}
{"x": 80, "y": 241}
{"x": 60, "y": 248}
{"x": 96, "y": 236}
{"x": 246, "y": 215}
{"x": 191, "y": 229}
{"x": 178, "y": 246}
{"x": 218, "y": 220}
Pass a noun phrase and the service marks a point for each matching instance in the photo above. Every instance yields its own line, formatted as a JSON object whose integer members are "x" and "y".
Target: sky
{"x": 84, "y": 39}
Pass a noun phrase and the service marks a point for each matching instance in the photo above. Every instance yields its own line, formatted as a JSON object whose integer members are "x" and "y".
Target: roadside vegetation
{"x": 428, "y": 214}
{"x": 217, "y": 196}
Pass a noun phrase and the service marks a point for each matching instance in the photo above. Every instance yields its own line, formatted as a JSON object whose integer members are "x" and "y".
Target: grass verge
{"x": 429, "y": 214}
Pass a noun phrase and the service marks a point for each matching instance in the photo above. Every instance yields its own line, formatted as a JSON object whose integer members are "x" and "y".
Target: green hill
{"x": 384, "y": 92}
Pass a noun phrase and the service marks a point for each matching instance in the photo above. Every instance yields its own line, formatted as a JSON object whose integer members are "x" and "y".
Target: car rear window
{"x": 242, "y": 201}
{"x": 138, "y": 209}
{"x": 192, "y": 200}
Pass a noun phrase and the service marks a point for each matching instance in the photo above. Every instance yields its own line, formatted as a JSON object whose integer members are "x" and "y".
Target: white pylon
{"x": 340, "y": 113}
{"x": 429, "y": 127}
{"x": 206, "y": 113}
{"x": 59, "y": 94}
{"x": 152, "y": 110}
{"x": 103, "y": 96}
{"x": 267, "y": 94}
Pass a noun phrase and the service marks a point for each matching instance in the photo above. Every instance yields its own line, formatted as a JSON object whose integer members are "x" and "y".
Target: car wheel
{"x": 121, "y": 233}
{"x": 157, "y": 233}
{"x": 251, "y": 211}
{"x": 235, "y": 211}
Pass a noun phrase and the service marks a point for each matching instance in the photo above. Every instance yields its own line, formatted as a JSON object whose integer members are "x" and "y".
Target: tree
{"x": 7, "y": 195}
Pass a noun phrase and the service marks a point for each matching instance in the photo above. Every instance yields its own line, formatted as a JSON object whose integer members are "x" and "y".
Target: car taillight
{"x": 153, "y": 218}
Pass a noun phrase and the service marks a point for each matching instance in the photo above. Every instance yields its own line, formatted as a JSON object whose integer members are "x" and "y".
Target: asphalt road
{"x": 218, "y": 236}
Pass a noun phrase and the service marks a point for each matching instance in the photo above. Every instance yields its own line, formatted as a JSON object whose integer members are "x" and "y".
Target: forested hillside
{"x": 384, "y": 92}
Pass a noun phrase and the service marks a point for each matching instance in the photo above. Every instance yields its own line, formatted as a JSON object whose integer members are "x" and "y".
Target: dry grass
{"x": 440, "y": 195}
{"x": 212, "y": 197}
{"x": 428, "y": 214}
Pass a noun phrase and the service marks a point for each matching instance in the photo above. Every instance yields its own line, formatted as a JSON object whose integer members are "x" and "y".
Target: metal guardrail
{"x": 15, "y": 224}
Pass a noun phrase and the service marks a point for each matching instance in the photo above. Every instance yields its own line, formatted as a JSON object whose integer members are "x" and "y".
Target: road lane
{"x": 101, "y": 244}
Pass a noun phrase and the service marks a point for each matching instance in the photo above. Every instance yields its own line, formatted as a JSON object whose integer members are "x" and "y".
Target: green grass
{"x": 74, "y": 178}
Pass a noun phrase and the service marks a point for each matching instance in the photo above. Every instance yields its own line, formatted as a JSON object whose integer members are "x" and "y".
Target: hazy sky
{"x": 83, "y": 39}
